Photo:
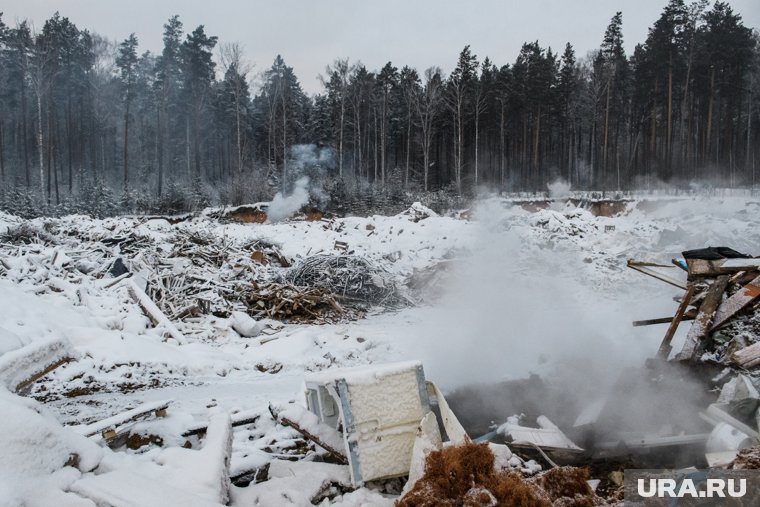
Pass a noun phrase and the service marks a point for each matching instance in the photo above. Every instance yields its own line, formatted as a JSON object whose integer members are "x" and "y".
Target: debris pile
{"x": 288, "y": 303}
{"x": 351, "y": 278}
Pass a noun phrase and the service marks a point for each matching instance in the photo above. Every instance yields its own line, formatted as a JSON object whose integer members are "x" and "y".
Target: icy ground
{"x": 516, "y": 292}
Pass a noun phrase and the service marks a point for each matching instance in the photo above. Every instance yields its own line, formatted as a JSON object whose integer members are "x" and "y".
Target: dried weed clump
{"x": 464, "y": 475}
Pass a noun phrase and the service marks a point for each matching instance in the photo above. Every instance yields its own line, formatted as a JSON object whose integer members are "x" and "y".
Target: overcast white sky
{"x": 309, "y": 34}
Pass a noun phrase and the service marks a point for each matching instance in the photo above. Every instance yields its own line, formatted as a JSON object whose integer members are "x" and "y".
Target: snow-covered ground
{"x": 519, "y": 292}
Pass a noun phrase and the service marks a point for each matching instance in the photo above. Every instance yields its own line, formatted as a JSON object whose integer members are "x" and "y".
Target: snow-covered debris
{"x": 22, "y": 365}
{"x": 40, "y": 458}
{"x": 116, "y": 421}
{"x": 297, "y": 484}
{"x": 308, "y": 424}
{"x": 201, "y": 271}
{"x": 417, "y": 211}
{"x": 244, "y": 325}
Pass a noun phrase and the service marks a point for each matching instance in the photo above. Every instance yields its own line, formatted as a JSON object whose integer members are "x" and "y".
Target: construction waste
{"x": 377, "y": 434}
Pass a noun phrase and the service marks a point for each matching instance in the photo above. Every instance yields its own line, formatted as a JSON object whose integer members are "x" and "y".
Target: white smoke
{"x": 303, "y": 156}
{"x": 559, "y": 189}
{"x": 283, "y": 206}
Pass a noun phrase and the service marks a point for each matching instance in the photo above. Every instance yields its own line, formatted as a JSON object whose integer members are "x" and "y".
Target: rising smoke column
{"x": 283, "y": 206}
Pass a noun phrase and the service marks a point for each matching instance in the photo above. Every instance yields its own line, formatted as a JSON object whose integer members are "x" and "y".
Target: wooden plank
{"x": 334, "y": 450}
{"x": 646, "y": 268}
{"x": 38, "y": 375}
{"x": 748, "y": 357}
{"x": 701, "y": 326}
{"x": 152, "y": 311}
{"x": 690, "y": 315}
{"x": 239, "y": 419}
{"x": 665, "y": 347}
{"x": 737, "y": 302}
{"x": 113, "y": 423}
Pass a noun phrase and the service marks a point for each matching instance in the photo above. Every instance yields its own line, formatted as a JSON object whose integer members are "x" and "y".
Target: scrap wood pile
{"x": 286, "y": 302}
{"x": 720, "y": 297}
{"x": 722, "y": 345}
{"x": 198, "y": 273}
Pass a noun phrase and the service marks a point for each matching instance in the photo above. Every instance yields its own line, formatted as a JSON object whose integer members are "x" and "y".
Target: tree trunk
{"x": 408, "y": 147}
{"x": 40, "y": 147}
{"x": 27, "y": 172}
{"x": 708, "y": 135}
{"x": 477, "y": 139}
{"x": 606, "y": 129}
{"x": 382, "y": 140}
{"x": 669, "y": 141}
{"x": 340, "y": 136}
{"x": 126, "y": 146}
{"x": 502, "y": 141}
{"x": 160, "y": 151}
{"x": 284, "y": 138}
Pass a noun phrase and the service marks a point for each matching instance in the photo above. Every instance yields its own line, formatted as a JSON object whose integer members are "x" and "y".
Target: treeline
{"x": 86, "y": 120}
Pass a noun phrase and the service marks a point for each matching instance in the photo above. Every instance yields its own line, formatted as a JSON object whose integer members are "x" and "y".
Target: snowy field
{"x": 516, "y": 292}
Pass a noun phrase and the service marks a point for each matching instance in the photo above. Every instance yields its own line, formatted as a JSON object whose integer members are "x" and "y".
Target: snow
{"x": 515, "y": 300}
{"x": 310, "y": 423}
{"x": 362, "y": 374}
{"x": 293, "y": 483}
{"x": 35, "y": 449}
{"x": 17, "y": 366}
{"x": 119, "y": 419}
{"x": 244, "y": 325}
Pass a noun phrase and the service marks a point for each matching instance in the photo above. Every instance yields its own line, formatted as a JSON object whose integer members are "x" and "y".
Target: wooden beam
{"x": 336, "y": 452}
{"x": 665, "y": 347}
{"x": 690, "y": 315}
{"x": 110, "y": 427}
{"x": 646, "y": 268}
{"x": 701, "y": 326}
{"x": 38, "y": 375}
{"x": 737, "y": 302}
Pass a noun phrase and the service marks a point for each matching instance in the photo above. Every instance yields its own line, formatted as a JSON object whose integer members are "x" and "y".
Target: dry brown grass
{"x": 464, "y": 475}
{"x": 747, "y": 459}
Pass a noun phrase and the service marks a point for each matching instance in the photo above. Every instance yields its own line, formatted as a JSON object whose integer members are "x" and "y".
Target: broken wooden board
{"x": 736, "y": 303}
{"x": 217, "y": 453}
{"x": 308, "y": 424}
{"x": 690, "y": 315}
{"x": 21, "y": 367}
{"x": 701, "y": 327}
{"x": 646, "y": 268}
{"x": 112, "y": 426}
{"x": 700, "y": 268}
{"x": 748, "y": 357}
{"x": 152, "y": 311}
{"x": 665, "y": 347}
{"x": 239, "y": 419}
